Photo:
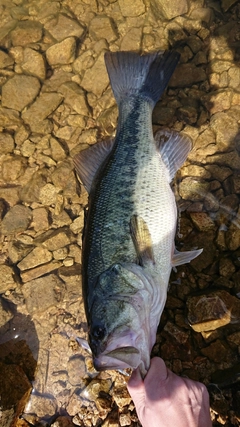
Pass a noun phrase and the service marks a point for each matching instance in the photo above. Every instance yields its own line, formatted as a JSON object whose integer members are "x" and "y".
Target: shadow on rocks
{"x": 18, "y": 360}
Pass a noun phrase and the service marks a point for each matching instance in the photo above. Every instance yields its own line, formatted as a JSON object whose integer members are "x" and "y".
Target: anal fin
{"x": 88, "y": 161}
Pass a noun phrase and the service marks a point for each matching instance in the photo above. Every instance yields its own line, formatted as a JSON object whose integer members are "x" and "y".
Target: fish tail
{"x": 147, "y": 75}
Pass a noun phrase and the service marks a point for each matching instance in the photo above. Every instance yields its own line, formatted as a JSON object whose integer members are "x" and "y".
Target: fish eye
{"x": 98, "y": 332}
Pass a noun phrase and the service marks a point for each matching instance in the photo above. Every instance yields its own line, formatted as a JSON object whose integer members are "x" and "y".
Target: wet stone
{"x": 6, "y": 143}
{"x": 76, "y": 370}
{"x": 48, "y": 194}
{"x": 33, "y": 63}
{"x": 42, "y": 108}
{"x": 102, "y": 27}
{"x": 16, "y": 220}
{"x": 74, "y": 97}
{"x": 42, "y": 293}
{"x": 225, "y": 128}
{"x": 95, "y": 79}
{"x": 19, "y": 92}
{"x": 42, "y": 270}
{"x": 192, "y": 189}
{"x": 202, "y": 221}
{"x": 187, "y": 75}
{"x": 8, "y": 279}
{"x": 133, "y": 8}
{"x": 36, "y": 257}
{"x": 169, "y": 10}
{"x": 132, "y": 39}
{"x": 41, "y": 405}
{"x": 26, "y": 32}
{"x": 10, "y": 375}
{"x": 233, "y": 237}
{"x": 5, "y": 60}
{"x": 64, "y": 27}
{"x": 211, "y": 311}
{"x": 54, "y": 240}
{"x": 62, "y": 53}
{"x": 217, "y": 351}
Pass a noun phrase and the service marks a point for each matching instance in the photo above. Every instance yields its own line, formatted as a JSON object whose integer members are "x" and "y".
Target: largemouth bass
{"x": 128, "y": 242}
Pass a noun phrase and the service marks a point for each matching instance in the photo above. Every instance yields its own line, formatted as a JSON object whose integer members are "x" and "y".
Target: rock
{"x": 63, "y": 175}
{"x": 195, "y": 171}
{"x": 33, "y": 63}
{"x": 102, "y": 27}
{"x": 57, "y": 150}
{"x": 30, "y": 191}
{"x": 74, "y": 97}
{"x": 62, "y": 27}
{"x": 35, "y": 258}
{"x": 5, "y": 60}
{"x": 42, "y": 108}
{"x": 121, "y": 396}
{"x": 132, "y": 40}
{"x": 96, "y": 79}
{"x": 54, "y": 239}
{"x": 217, "y": 351}
{"x": 15, "y": 387}
{"x": 13, "y": 167}
{"x": 226, "y": 267}
{"x": 72, "y": 278}
{"x": 178, "y": 334}
{"x": 41, "y": 405}
{"x": 202, "y": 221}
{"x": 20, "y": 91}
{"x": 62, "y": 53}
{"x": 48, "y": 195}
{"x": 6, "y": 143}
{"x": 9, "y": 118}
{"x": 42, "y": 293}
{"x": 225, "y": 128}
{"x": 187, "y": 75}
{"x": 125, "y": 419}
{"x": 26, "y": 32}
{"x": 63, "y": 421}
{"x": 16, "y": 220}
{"x": 96, "y": 387}
{"x": 8, "y": 280}
{"x": 5, "y": 313}
{"x": 40, "y": 271}
{"x": 193, "y": 189}
{"x": 133, "y": 8}
{"x": 77, "y": 226}
{"x": 76, "y": 370}
{"x": 169, "y": 10}
{"x": 226, "y": 4}
{"x": 233, "y": 237}
{"x": 212, "y": 310}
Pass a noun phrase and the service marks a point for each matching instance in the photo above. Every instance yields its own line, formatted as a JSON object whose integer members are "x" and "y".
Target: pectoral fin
{"x": 142, "y": 240}
{"x": 88, "y": 161}
{"x": 174, "y": 148}
{"x": 180, "y": 258}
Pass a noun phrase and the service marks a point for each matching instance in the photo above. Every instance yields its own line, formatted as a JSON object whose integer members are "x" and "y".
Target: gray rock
{"x": 42, "y": 108}
{"x": 6, "y": 143}
{"x": 33, "y": 63}
{"x": 62, "y": 27}
{"x": 26, "y": 32}
{"x": 132, "y": 40}
{"x": 8, "y": 279}
{"x": 62, "y": 53}
{"x": 19, "y": 92}
{"x": 30, "y": 191}
{"x": 135, "y": 8}
{"x": 96, "y": 79}
{"x": 187, "y": 75}
{"x": 16, "y": 220}
{"x": 36, "y": 257}
{"x": 42, "y": 293}
{"x": 5, "y": 60}
{"x": 102, "y": 27}
{"x": 169, "y": 9}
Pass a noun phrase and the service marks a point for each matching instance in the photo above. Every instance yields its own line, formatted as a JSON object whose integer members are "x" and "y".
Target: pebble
{"x": 62, "y": 26}
{"x": 36, "y": 257}
{"x": 33, "y": 63}
{"x": 62, "y": 52}
{"x": 42, "y": 108}
{"x": 16, "y": 220}
{"x": 26, "y": 32}
{"x": 8, "y": 278}
{"x": 169, "y": 10}
{"x": 20, "y": 91}
{"x": 95, "y": 79}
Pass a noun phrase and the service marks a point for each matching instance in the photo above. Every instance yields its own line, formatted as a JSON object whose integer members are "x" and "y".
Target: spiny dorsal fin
{"x": 174, "y": 148}
{"x": 142, "y": 240}
{"x": 88, "y": 161}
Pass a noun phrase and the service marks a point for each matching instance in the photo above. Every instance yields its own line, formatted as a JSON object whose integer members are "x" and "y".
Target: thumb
{"x": 136, "y": 388}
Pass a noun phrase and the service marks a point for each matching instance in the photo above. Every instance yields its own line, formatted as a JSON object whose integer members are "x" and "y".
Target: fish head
{"x": 120, "y": 334}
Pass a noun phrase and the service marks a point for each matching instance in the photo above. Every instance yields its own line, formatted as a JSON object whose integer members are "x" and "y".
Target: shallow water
{"x": 55, "y": 100}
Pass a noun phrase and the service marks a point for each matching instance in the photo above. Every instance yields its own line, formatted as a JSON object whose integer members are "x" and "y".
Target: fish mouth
{"x": 118, "y": 359}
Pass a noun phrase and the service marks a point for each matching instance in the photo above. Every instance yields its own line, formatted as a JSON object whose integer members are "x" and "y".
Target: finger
{"x": 136, "y": 389}
{"x": 158, "y": 372}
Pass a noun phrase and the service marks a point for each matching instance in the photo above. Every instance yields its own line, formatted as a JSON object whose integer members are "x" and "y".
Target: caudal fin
{"x": 132, "y": 74}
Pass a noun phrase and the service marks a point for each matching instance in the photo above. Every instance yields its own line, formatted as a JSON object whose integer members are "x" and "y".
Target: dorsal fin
{"x": 174, "y": 148}
{"x": 88, "y": 161}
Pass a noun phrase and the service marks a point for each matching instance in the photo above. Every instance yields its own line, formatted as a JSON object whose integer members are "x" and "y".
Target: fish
{"x": 128, "y": 247}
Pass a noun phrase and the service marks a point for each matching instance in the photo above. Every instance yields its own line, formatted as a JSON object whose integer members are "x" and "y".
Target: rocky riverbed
{"x": 55, "y": 101}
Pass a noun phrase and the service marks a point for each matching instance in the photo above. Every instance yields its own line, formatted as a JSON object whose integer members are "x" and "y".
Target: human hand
{"x": 165, "y": 399}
